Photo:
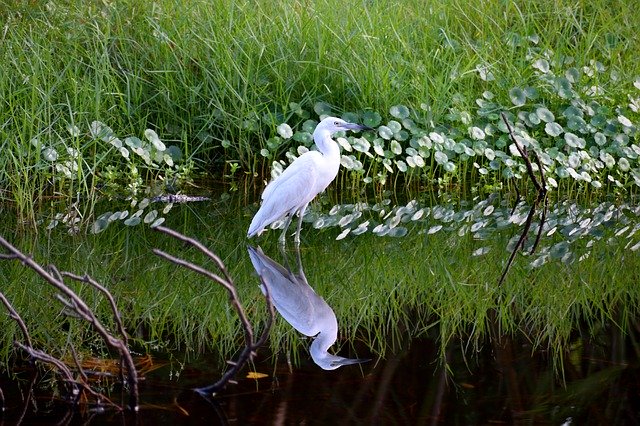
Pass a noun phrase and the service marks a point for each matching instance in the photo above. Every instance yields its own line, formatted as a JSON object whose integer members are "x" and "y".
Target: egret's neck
{"x": 325, "y": 144}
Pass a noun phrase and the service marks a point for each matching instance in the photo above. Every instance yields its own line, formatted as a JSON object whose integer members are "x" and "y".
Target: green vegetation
{"x": 382, "y": 290}
{"x": 232, "y": 86}
{"x": 125, "y": 100}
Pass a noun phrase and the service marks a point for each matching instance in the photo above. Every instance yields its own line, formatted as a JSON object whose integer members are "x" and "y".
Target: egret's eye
{"x": 336, "y": 123}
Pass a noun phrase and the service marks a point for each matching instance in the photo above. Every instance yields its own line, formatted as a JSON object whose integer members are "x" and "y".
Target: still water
{"x": 388, "y": 298}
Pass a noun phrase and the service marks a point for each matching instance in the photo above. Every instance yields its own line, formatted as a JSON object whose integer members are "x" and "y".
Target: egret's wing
{"x": 299, "y": 177}
{"x": 287, "y": 193}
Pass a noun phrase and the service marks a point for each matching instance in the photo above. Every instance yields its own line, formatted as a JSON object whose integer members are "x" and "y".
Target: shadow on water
{"x": 507, "y": 377}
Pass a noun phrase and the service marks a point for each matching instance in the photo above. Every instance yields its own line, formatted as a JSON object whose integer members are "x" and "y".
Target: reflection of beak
{"x": 349, "y": 361}
{"x": 353, "y": 126}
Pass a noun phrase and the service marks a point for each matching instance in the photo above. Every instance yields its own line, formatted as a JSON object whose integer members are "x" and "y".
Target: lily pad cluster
{"x": 568, "y": 233}
{"x": 581, "y": 136}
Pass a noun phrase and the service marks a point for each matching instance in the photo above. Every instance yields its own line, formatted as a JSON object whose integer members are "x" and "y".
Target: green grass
{"x": 216, "y": 77}
{"x": 383, "y": 290}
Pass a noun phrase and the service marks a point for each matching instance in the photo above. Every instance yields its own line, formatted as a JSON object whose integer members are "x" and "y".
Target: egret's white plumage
{"x": 306, "y": 177}
{"x": 301, "y": 307}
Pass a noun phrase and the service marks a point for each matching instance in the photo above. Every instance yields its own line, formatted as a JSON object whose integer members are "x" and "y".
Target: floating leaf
{"x": 132, "y": 221}
{"x": 545, "y": 115}
{"x": 542, "y": 65}
{"x": 284, "y": 130}
{"x": 398, "y": 231}
{"x": 399, "y": 111}
{"x": 151, "y": 216}
{"x": 559, "y": 250}
{"x": 101, "y": 223}
{"x": 50, "y": 154}
{"x": 343, "y": 234}
{"x": 159, "y": 221}
{"x": 434, "y": 229}
{"x": 481, "y": 251}
{"x": 255, "y": 375}
{"x": 553, "y": 129}
{"x": 517, "y": 96}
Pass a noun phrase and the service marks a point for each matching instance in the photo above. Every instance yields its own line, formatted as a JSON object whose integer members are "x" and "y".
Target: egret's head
{"x": 334, "y": 124}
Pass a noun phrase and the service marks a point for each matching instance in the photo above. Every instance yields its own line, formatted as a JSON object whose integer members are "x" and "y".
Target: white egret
{"x": 306, "y": 177}
{"x": 301, "y": 307}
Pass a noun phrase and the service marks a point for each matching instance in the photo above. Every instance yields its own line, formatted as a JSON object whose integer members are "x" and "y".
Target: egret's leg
{"x": 283, "y": 236}
{"x": 299, "y": 264}
{"x": 296, "y": 239}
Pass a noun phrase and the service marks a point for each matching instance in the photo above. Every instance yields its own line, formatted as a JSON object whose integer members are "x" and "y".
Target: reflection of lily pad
{"x": 559, "y": 250}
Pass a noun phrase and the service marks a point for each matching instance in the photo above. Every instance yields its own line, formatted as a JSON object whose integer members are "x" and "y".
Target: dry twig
{"x": 251, "y": 344}
{"x": 78, "y": 308}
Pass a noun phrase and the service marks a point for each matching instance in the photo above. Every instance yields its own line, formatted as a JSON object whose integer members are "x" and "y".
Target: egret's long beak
{"x": 353, "y": 126}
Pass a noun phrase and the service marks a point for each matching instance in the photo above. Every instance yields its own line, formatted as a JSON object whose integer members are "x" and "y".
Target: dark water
{"x": 502, "y": 383}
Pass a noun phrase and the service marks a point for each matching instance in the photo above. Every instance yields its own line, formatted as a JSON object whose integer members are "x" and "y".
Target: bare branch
{"x": 251, "y": 345}
{"x": 75, "y": 304}
{"x": 116, "y": 313}
{"x": 17, "y": 318}
{"x": 523, "y": 152}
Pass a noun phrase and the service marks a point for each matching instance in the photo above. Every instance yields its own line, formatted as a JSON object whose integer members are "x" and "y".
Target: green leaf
{"x": 517, "y": 96}
{"x": 553, "y": 129}
{"x": 441, "y": 157}
{"x": 545, "y": 115}
{"x": 385, "y": 132}
{"x": 399, "y": 111}
{"x": 371, "y": 119}
{"x": 284, "y": 130}
{"x": 322, "y": 108}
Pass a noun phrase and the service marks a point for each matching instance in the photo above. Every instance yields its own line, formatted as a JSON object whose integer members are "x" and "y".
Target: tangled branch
{"x": 77, "y": 307}
{"x": 251, "y": 343}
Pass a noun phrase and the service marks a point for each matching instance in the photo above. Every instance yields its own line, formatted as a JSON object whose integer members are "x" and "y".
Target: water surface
{"x": 556, "y": 342}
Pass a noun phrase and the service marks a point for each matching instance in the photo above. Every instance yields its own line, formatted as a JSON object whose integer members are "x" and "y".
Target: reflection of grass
{"x": 382, "y": 290}
{"x": 220, "y": 76}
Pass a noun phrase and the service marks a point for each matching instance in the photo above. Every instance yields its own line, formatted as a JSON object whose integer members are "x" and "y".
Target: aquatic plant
{"x": 588, "y": 144}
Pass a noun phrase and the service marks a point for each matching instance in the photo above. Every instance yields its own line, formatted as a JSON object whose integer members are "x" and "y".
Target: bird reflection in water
{"x": 301, "y": 307}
